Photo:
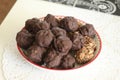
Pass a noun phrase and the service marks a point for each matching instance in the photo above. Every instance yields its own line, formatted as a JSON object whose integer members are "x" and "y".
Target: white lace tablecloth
{"x": 14, "y": 67}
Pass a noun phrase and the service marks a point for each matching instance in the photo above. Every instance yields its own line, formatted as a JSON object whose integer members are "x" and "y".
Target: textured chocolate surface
{"x": 87, "y": 30}
{"x": 44, "y": 25}
{"x": 58, "y": 31}
{"x": 51, "y": 54}
{"x": 32, "y": 25}
{"x": 55, "y": 62}
{"x": 36, "y": 53}
{"x": 44, "y": 38}
{"x": 24, "y": 39}
{"x": 69, "y": 24}
{"x": 62, "y": 44}
{"x": 52, "y": 20}
{"x": 68, "y": 62}
{"x": 77, "y": 40}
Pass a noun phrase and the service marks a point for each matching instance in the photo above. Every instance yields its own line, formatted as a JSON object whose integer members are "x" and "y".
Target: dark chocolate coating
{"x": 77, "y": 40}
{"x": 58, "y": 31}
{"x": 69, "y": 23}
{"x": 87, "y": 30}
{"x": 55, "y": 62}
{"x": 52, "y": 20}
{"x": 44, "y": 38}
{"x": 24, "y": 39}
{"x": 44, "y": 25}
{"x": 62, "y": 44}
{"x": 32, "y": 25}
{"x": 67, "y": 62}
{"x": 51, "y": 54}
{"x": 36, "y": 53}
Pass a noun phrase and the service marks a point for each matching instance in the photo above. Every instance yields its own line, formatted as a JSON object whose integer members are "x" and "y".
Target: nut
{"x": 89, "y": 42}
{"x": 87, "y": 52}
{"x": 84, "y": 55}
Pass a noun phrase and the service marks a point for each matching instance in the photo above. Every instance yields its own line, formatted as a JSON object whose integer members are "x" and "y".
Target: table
{"x": 106, "y": 66}
{"x": 5, "y": 6}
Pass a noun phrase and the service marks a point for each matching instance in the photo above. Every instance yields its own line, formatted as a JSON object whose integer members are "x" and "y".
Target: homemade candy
{"x": 63, "y": 44}
{"x": 58, "y": 31}
{"x": 24, "y": 39}
{"x": 44, "y": 38}
{"x": 69, "y": 24}
{"x": 87, "y": 30}
{"x": 52, "y": 20}
{"x": 68, "y": 62}
{"x": 32, "y": 25}
{"x": 36, "y": 53}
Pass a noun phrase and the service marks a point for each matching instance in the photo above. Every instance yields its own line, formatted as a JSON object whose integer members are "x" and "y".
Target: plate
{"x": 80, "y": 22}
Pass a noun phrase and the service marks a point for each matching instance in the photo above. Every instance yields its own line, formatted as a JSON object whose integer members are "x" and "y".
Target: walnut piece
{"x": 87, "y": 52}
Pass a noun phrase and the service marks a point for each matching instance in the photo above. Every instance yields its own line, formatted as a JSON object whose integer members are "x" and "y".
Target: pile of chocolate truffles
{"x": 57, "y": 43}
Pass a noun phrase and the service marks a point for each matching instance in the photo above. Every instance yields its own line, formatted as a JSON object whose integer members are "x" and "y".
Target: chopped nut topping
{"x": 87, "y": 52}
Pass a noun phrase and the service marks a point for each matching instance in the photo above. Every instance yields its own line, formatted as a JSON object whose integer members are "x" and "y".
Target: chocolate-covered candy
{"x": 87, "y": 30}
{"x": 67, "y": 62}
{"x": 77, "y": 40}
{"x": 62, "y": 44}
{"x": 58, "y": 31}
{"x": 51, "y": 54}
{"x": 69, "y": 23}
{"x": 44, "y": 25}
{"x": 44, "y": 38}
{"x": 52, "y": 58}
{"x": 36, "y": 53}
{"x": 52, "y": 20}
{"x": 24, "y": 39}
{"x": 55, "y": 62}
{"x": 32, "y": 25}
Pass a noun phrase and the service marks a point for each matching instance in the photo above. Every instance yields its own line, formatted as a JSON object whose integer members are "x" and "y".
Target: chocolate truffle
{"x": 44, "y": 25}
{"x": 24, "y": 39}
{"x": 52, "y": 20}
{"x": 55, "y": 62}
{"x": 87, "y": 30}
{"x": 67, "y": 62}
{"x": 62, "y": 44}
{"x": 77, "y": 40}
{"x": 32, "y": 25}
{"x": 36, "y": 53}
{"x": 69, "y": 23}
{"x": 51, "y": 54}
{"x": 58, "y": 31}
{"x": 44, "y": 38}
